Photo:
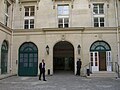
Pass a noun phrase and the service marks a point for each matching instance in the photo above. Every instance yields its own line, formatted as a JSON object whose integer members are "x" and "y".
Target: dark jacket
{"x": 40, "y": 67}
{"x": 79, "y": 63}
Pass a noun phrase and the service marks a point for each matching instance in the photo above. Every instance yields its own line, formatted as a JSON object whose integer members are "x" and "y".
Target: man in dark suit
{"x": 79, "y": 63}
{"x": 42, "y": 70}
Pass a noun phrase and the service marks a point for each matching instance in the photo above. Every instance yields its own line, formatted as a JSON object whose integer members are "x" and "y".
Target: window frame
{"x": 29, "y": 11}
{"x": 98, "y": 9}
{"x": 99, "y": 22}
{"x": 6, "y": 17}
{"x": 29, "y": 24}
{"x": 29, "y": 17}
{"x": 63, "y": 15}
{"x": 98, "y": 15}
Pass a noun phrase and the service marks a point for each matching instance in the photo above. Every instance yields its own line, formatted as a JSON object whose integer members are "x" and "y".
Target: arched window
{"x": 100, "y": 46}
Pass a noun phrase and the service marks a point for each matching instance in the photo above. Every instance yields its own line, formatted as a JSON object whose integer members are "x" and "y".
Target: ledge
{"x": 64, "y": 29}
{"x": 5, "y": 28}
{"x": 62, "y": 0}
{"x": 24, "y": 1}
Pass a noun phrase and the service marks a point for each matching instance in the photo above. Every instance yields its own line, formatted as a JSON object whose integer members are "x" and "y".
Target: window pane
{"x": 95, "y": 20}
{"x": 66, "y": 25}
{"x": 32, "y": 11}
{"x": 32, "y": 21}
{"x": 35, "y": 55}
{"x": 21, "y": 59}
{"x": 95, "y": 63}
{"x": 26, "y": 24}
{"x": 26, "y": 27}
{"x": 60, "y": 10}
{"x": 101, "y": 24}
{"x": 60, "y": 25}
{"x": 60, "y": 20}
{"x": 30, "y": 59}
{"x": 26, "y": 21}
{"x": 6, "y": 20}
{"x": 101, "y": 8}
{"x": 95, "y": 8}
{"x": 30, "y": 64}
{"x": 31, "y": 26}
{"x": 63, "y": 10}
{"x": 26, "y": 11}
{"x": 35, "y": 59}
{"x": 96, "y": 25}
{"x": 66, "y": 20}
{"x": 66, "y": 10}
{"x": 25, "y": 64}
{"x": 101, "y": 19}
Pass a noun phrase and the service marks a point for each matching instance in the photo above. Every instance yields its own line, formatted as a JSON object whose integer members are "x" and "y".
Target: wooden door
{"x": 102, "y": 61}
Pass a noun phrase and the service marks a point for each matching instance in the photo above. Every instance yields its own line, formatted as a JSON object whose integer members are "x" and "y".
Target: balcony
{"x": 24, "y": 1}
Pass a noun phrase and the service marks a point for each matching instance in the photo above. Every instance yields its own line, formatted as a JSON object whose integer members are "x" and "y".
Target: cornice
{"x": 5, "y": 29}
{"x": 100, "y": 28}
{"x": 82, "y": 29}
{"x": 25, "y": 1}
{"x": 26, "y": 30}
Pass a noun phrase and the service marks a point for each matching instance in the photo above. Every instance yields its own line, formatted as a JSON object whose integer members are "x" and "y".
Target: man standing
{"x": 42, "y": 70}
{"x": 79, "y": 63}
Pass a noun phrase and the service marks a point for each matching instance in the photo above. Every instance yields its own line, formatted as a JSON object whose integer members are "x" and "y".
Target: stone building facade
{"x": 61, "y": 32}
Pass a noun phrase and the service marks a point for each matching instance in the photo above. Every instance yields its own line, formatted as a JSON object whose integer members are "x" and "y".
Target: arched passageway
{"x": 63, "y": 56}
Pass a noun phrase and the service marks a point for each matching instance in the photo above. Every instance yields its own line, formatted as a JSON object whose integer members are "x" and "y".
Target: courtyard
{"x": 59, "y": 81}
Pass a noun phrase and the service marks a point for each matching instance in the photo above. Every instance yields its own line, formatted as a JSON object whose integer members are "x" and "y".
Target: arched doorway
{"x": 4, "y": 57}
{"x": 28, "y": 59}
{"x": 100, "y": 54}
{"x": 63, "y": 56}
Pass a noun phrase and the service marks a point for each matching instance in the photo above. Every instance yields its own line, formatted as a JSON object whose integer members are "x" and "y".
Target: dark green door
{"x": 4, "y": 62}
{"x": 4, "y": 57}
{"x": 28, "y": 60}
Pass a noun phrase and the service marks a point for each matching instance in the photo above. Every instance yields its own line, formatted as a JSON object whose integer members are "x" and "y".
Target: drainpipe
{"x": 117, "y": 24}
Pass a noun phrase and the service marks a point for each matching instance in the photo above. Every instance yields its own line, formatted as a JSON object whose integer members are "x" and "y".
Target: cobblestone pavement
{"x": 59, "y": 82}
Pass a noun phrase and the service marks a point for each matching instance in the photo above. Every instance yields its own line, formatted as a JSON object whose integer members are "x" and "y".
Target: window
{"x": 29, "y": 11}
{"x": 98, "y": 8}
{"x": 7, "y": 5}
{"x": 6, "y": 20}
{"x": 98, "y": 15}
{"x": 63, "y": 22}
{"x": 98, "y": 21}
{"x": 63, "y": 16}
{"x": 29, "y": 23}
{"x": 29, "y": 17}
{"x": 63, "y": 10}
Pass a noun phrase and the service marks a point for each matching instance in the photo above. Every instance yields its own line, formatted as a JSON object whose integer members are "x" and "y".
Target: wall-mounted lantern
{"x": 79, "y": 48}
{"x": 47, "y": 49}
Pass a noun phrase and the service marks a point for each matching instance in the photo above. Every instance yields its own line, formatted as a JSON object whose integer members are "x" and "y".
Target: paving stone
{"x": 59, "y": 82}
